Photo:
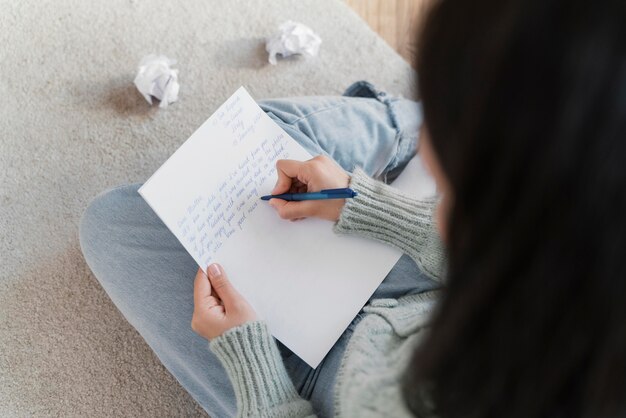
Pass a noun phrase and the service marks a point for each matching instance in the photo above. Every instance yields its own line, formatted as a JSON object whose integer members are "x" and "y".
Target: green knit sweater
{"x": 368, "y": 381}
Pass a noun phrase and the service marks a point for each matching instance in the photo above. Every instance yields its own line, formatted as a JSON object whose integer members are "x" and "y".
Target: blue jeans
{"x": 149, "y": 275}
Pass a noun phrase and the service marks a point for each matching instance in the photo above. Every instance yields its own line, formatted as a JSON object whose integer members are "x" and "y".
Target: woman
{"x": 525, "y": 113}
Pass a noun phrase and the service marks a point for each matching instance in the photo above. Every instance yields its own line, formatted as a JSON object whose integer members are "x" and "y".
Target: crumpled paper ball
{"x": 292, "y": 38}
{"x": 156, "y": 79}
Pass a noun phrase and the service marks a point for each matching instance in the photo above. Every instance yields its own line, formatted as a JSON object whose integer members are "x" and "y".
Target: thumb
{"x": 201, "y": 288}
{"x": 294, "y": 209}
{"x": 222, "y": 286}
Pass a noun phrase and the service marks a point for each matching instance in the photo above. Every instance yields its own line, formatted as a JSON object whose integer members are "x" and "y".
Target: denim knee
{"x": 93, "y": 229}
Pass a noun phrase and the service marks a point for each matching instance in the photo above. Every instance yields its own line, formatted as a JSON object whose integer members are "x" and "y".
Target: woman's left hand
{"x": 218, "y": 306}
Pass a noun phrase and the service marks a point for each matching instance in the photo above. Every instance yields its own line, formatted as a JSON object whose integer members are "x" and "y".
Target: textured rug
{"x": 72, "y": 125}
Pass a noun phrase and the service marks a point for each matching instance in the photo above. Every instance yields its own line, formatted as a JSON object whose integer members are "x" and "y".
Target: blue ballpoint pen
{"x": 323, "y": 194}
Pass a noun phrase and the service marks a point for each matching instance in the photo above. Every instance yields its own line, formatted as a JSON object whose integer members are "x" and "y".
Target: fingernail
{"x": 214, "y": 270}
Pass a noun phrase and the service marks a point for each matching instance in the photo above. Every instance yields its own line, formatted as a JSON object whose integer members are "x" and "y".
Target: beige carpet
{"x": 73, "y": 125}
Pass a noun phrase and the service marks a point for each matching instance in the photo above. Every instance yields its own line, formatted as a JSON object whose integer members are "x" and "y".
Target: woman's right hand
{"x": 316, "y": 174}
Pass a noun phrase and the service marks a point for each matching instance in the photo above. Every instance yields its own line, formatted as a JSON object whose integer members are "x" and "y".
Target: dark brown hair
{"x": 525, "y": 104}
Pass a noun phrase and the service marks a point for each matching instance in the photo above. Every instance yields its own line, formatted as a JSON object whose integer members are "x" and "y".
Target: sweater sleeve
{"x": 260, "y": 381}
{"x": 384, "y": 213}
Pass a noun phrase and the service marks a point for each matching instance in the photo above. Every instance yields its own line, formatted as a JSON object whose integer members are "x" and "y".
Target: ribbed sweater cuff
{"x": 261, "y": 383}
{"x": 384, "y": 213}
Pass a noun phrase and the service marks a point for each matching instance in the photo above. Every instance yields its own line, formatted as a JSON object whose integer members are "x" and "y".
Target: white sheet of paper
{"x": 307, "y": 282}
{"x": 415, "y": 180}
